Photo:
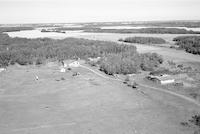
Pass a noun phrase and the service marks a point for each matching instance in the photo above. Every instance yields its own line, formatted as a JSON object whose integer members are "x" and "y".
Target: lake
{"x": 38, "y": 34}
{"x": 139, "y": 27}
{"x": 79, "y": 34}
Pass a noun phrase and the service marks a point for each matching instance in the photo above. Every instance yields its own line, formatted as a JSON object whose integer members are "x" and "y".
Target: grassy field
{"x": 61, "y": 103}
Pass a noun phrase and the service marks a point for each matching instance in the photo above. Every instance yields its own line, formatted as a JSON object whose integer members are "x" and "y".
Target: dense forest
{"x": 190, "y": 44}
{"x": 144, "y": 40}
{"x": 116, "y": 58}
{"x": 130, "y": 62}
{"x": 12, "y": 29}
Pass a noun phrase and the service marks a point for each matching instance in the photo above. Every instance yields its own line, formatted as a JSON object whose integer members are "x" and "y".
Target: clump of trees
{"x": 28, "y": 51}
{"x": 150, "y": 61}
{"x": 196, "y": 120}
{"x": 144, "y": 40}
{"x": 116, "y": 58}
{"x": 12, "y": 29}
{"x": 4, "y": 39}
{"x": 190, "y": 44}
{"x": 129, "y": 62}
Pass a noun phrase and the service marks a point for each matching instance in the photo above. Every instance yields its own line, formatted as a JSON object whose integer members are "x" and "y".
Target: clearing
{"x": 59, "y": 103}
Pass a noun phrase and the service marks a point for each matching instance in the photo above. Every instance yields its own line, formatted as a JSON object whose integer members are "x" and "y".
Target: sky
{"x": 67, "y": 11}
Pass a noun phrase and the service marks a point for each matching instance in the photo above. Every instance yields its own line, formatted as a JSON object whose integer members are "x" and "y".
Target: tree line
{"x": 116, "y": 58}
{"x": 190, "y": 44}
{"x": 12, "y": 29}
{"x": 144, "y": 40}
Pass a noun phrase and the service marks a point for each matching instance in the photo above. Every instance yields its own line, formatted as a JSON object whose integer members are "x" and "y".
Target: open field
{"x": 86, "y": 103}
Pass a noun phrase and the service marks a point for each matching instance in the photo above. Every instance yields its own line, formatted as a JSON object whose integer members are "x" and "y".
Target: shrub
{"x": 4, "y": 59}
{"x": 150, "y": 61}
{"x": 4, "y": 39}
{"x": 196, "y": 120}
{"x": 39, "y": 61}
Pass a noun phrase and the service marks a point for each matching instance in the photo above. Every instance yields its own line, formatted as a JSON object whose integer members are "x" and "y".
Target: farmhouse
{"x": 2, "y": 69}
{"x": 94, "y": 59}
{"x": 164, "y": 79}
{"x": 74, "y": 64}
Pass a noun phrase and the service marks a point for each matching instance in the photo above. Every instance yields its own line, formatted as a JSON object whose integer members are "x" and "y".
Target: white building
{"x": 94, "y": 59}
{"x": 74, "y": 64}
{"x": 62, "y": 70}
{"x": 167, "y": 81}
{"x": 2, "y": 69}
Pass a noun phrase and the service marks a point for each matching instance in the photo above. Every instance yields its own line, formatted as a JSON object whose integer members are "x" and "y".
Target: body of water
{"x": 38, "y": 34}
{"x": 137, "y": 27}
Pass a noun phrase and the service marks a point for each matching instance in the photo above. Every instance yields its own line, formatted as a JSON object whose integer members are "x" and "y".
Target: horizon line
{"x": 24, "y": 23}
